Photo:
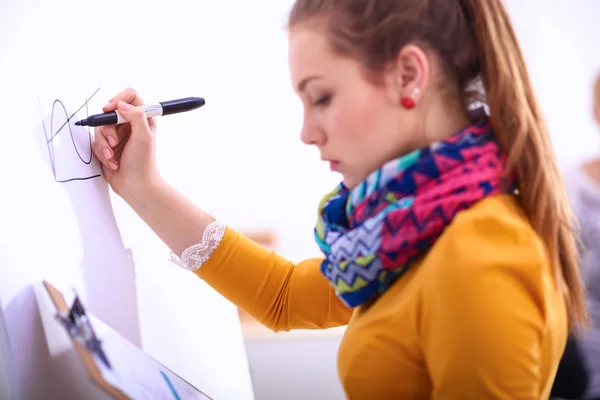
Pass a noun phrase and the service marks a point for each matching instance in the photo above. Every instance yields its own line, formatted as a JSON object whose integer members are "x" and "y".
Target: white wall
{"x": 295, "y": 365}
{"x": 560, "y": 40}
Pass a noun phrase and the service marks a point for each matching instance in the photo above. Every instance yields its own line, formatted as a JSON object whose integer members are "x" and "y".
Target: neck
{"x": 443, "y": 122}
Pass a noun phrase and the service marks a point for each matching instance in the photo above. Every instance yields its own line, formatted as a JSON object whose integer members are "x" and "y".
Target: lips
{"x": 333, "y": 164}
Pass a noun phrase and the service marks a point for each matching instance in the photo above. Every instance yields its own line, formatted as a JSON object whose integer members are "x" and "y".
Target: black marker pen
{"x": 154, "y": 110}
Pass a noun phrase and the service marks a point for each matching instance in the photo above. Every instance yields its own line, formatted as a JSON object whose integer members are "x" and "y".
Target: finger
{"x": 111, "y": 134}
{"x": 136, "y": 117}
{"x": 102, "y": 150}
{"x": 128, "y": 95}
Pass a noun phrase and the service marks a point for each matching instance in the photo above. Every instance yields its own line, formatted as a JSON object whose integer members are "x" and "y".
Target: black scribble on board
{"x": 51, "y": 133}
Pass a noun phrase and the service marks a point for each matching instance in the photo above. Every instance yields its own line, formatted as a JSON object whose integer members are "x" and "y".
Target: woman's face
{"x": 357, "y": 125}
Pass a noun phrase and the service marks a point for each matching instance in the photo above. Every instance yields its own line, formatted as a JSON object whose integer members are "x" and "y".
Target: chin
{"x": 350, "y": 183}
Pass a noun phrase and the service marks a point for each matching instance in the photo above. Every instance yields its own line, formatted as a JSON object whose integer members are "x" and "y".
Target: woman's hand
{"x": 127, "y": 151}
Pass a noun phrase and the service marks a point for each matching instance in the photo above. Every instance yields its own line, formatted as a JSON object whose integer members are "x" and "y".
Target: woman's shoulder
{"x": 490, "y": 256}
{"x": 499, "y": 221}
{"x": 492, "y": 237}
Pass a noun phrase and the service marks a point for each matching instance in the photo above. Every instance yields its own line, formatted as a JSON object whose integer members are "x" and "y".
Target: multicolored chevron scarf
{"x": 372, "y": 234}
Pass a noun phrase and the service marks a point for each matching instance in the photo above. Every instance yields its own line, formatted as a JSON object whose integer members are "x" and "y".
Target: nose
{"x": 311, "y": 134}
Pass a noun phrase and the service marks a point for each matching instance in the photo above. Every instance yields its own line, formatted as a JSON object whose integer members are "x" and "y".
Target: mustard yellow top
{"x": 479, "y": 318}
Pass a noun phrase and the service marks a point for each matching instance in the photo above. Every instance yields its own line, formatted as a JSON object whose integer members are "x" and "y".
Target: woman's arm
{"x": 177, "y": 221}
{"x": 272, "y": 289}
{"x": 278, "y": 293}
{"x": 275, "y": 291}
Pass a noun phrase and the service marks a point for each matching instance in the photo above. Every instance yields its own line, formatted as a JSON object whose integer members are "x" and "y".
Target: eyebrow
{"x": 304, "y": 82}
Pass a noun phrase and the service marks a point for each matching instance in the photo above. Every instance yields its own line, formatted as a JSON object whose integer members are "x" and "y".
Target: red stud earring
{"x": 407, "y": 102}
{"x": 410, "y": 102}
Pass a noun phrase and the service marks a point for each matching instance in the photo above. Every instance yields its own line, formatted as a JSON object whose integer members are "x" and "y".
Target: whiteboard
{"x": 60, "y": 222}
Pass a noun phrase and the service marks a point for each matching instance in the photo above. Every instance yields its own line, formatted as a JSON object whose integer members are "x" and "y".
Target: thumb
{"x": 134, "y": 115}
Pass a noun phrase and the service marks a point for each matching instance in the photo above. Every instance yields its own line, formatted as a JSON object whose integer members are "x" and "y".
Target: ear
{"x": 412, "y": 71}
{"x": 597, "y": 112}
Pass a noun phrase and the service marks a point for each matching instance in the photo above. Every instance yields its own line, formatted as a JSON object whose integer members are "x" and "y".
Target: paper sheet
{"x": 138, "y": 375}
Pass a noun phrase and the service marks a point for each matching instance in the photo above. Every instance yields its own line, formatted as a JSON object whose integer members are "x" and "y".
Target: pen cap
{"x": 181, "y": 105}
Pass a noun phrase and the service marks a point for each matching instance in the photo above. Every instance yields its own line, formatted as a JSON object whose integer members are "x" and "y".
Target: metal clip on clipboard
{"x": 79, "y": 327}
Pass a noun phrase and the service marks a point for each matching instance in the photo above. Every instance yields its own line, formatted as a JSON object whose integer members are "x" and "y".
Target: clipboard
{"x": 109, "y": 376}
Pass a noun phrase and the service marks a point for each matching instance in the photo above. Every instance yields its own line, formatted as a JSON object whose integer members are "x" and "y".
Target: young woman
{"x": 447, "y": 249}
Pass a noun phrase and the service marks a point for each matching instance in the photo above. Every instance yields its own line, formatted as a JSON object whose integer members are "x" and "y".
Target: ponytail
{"x": 518, "y": 122}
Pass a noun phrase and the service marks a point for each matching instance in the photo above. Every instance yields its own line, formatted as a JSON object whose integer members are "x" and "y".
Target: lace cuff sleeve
{"x": 194, "y": 256}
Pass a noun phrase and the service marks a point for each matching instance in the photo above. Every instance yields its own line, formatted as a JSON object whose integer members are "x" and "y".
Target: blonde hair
{"x": 477, "y": 41}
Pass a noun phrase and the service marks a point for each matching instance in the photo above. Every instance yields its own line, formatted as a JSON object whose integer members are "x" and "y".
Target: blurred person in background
{"x": 583, "y": 188}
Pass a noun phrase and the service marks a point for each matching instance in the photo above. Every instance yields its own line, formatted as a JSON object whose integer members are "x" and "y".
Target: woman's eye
{"x": 322, "y": 101}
